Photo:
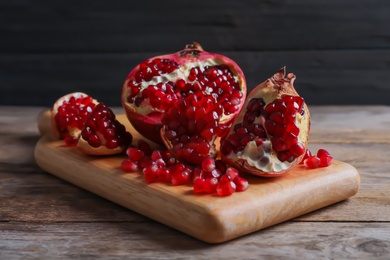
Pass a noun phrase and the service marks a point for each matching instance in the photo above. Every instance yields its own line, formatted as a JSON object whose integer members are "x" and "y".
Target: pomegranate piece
{"x": 270, "y": 135}
{"x": 102, "y": 134}
{"x": 156, "y": 84}
{"x": 68, "y": 115}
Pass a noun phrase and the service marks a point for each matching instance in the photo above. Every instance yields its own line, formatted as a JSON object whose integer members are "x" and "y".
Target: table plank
{"x": 155, "y": 241}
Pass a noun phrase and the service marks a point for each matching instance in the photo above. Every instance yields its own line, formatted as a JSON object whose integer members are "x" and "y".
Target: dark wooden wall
{"x": 339, "y": 49}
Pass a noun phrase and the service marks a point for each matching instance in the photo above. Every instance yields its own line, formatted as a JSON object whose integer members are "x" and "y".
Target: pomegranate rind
{"x": 74, "y": 132}
{"x": 147, "y": 120}
{"x": 273, "y": 88}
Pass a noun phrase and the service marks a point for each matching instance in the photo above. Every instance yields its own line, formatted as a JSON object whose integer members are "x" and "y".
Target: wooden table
{"x": 43, "y": 217}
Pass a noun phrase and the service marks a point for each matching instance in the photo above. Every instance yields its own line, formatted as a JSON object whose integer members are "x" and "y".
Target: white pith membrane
{"x": 260, "y": 157}
{"x": 180, "y": 73}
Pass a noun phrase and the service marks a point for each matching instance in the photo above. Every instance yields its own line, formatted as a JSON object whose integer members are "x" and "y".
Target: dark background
{"x": 339, "y": 50}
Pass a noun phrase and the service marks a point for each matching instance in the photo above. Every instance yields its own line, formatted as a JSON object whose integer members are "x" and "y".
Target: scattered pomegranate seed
{"x": 225, "y": 186}
{"x": 241, "y": 183}
{"x": 129, "y": 166}
{"x": 312, "y": 162}
{"x": 322, "y": 159}
{"x": 161, "y": 166}
{"x": 208, "y": 164}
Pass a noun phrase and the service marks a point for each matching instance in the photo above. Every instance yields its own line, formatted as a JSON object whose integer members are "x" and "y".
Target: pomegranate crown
{"x": 279, "y": 78}
{"x": 191, "y": 48}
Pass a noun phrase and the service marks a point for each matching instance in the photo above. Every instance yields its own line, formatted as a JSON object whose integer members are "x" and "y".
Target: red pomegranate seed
{"x": 163, "y": 175}
{"x": 241, "y": 183}
{"x": 297, "y": 150}
{"x": 134, "y": 154}
{"x": 181, "y": 178}
{"x": 307, "y": 155}
{"x": 145, "y": 147}
{"x": 325, "y": 160}
{"x": 322, "y": 152}
{"x": 150, "y": 173}
{"x": 199, "y": 185}
{"x": 70, "y": 140}
{"x": 156, "y": 154}
{"x": 312, "y": 162}
{"x": 232, "y": 173}
{"x": 210, "y": 185}
{"x": 225, "y": 186}
{"x": 208, "y": 164}
{"x": 129, "y": 166}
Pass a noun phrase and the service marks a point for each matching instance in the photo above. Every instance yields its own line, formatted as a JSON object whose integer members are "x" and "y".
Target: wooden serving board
{"x": 213, "y": 219}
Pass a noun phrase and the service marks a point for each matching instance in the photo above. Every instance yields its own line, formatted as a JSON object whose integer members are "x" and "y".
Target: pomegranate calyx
{"x": 192, "y": 48}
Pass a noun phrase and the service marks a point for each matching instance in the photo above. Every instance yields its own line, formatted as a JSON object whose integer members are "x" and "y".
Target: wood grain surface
{"x": 44, "y": 217}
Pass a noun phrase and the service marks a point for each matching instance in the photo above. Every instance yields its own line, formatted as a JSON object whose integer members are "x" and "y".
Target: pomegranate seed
{"x": 150, "y": 173}
{"x": 285, "y": 156}
{"x": 225, "y": 186}
{"x": 156, "y": 154}
{"x": 277, "y": 117}
{"x": 163, "y": 175}
{"x": 129, "y": 166}
{"x": 241, "y": 183}
{"x": 181, "y": 178}
{"x": 297, "y": 150}
{"x": 312, "y": 162}
{"x": 232, "y": 173}
{"x": 325, "y": 160}
{"x": 134, "y": 154}
{"x": 322, "y": 152}
{"x": 307, "y": 155}
{"x": 278, "y": 144}
{"x": 145, "y": 147}
{"x": 199, "y": 185}
{"x": 208, "y": 164}
{"x": 70, "y": 140}
{"x": 144, "y": 162}
{"x": 210, "y": 185}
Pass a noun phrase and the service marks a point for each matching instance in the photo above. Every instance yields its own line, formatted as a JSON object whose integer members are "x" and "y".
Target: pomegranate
{"x": 270, "y": 135}
{"x": 156, "y": 84}
{"x": 68, "y": 115}
{"x": 102, "y": 134}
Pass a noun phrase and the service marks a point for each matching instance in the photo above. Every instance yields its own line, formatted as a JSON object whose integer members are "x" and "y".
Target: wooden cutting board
{"x": 213, "y": 219}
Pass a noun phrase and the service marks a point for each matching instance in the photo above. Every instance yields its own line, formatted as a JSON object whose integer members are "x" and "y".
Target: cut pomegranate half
{"x": 156, "y": 84}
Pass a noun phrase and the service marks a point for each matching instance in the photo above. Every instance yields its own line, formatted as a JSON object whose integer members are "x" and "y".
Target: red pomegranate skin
{"x": 157, "y": 83}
